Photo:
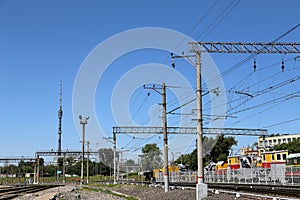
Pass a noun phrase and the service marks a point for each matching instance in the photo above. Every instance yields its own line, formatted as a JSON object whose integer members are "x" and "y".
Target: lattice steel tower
{"x": 60, "y": 114}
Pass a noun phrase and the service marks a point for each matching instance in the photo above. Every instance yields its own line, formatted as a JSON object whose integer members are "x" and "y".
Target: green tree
{"x": 106, "y": 156}
{"x": 151, "y": 157}
{"x": 208, "y": 143}
{"x": 26, "y": 169}
{"x": 50, "y": 169}
{"x": 221, "y": 149}
{"x": 213, "y": 150}
{"x": 130, "y": 164}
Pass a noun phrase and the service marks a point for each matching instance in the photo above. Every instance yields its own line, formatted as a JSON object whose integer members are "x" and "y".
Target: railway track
{"x": 284, "y": 191}
{"x": 263, "y": 190}
{"x": 17, "y": 191}
{"x": 270, "y": 190}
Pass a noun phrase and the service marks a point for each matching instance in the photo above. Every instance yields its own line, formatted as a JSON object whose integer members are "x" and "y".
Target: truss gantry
{"x": 188, "y": 130}
{"x": 246, "y": 47}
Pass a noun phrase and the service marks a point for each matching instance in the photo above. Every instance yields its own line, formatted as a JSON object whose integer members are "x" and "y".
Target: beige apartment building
{"x": 271, "y": 141}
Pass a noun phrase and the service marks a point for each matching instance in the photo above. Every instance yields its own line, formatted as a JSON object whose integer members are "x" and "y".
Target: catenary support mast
{"x": 228, "y": 47}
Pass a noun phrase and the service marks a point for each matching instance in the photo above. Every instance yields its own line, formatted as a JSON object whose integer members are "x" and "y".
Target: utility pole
{"x": 64, "y": 168}
{"x": 83, "y": 122}
{"x": 201, "y": 187}
{"x": 165, "y": 133}
{"x": 115, "y": 152}
{"x": 166, "y": 168}
{"x": 127, "y": 170}
{"x": 87, "y": 163}
{"x": 38, "y": 169}
{"x": 118, "y": 165}
{"x": 120, "y": 162}
{"x": 114, "y": 142}
{"x": 229, "y": 47}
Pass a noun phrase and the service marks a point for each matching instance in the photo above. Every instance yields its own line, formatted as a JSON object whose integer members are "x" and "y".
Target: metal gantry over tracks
{"x": 58, "y": 153}
{"x": 246, "y": 47}
{"x": 16, "y": 159}
{"x": 188, "y": 130}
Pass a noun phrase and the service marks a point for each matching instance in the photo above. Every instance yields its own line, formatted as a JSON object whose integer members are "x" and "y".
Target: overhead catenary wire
{"x": 205, "y": 15}
{"x": 211, "y": 27}
{"x": 280, "y": 99}
{"x": 252, "y": 115}
{"x": 281, "y": 123}
{"x": 140, "y": 107}
{"x": 221, "y": 17}
{"x": 214, "y": 24}
{"x": 274, "y": 102}
{"x": 234, "y": 88}
{"x": 234, "y": 67}
{"x": 247, "y": 89}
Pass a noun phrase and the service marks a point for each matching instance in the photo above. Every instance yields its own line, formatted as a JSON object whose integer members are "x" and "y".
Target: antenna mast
{"x": 60, "y": 114}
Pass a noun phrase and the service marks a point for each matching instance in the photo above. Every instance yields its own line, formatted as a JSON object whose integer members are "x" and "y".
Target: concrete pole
{"x": 83, "y": 122}
{"x": 118, "y": 164}
{"x": 64, "y": 168}
{"x": 166, "y": 170}
{"x": 115, "y": 163}
{"x": 34, "y": 175}
{"x": 127, "y": 170}
{"x": 82, "y": 155}
{"x": 88, "y": 163}
{"x": 38, "y": 170}
{"x": 201, "y": 188}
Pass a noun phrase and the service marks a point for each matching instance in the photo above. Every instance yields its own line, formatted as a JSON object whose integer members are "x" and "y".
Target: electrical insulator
{"x": 173, "y": 63}
{"x": 282, "y": 65}
{"x": 254, "y": 65}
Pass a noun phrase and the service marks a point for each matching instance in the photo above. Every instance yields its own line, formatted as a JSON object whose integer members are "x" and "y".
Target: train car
{"x": 148, "y": 175}
{"x": 171, "y": 169}
{"x": 245, "y": 161}
{"x": 273, "y": 158}
{"x": 158, "y": 172}
{"x": 292, "y": 170}
{"x": 221, "y": 167}
{"x": 293, "y": 160}
{"x": 234, "y": 162}
{"x": 258, "y": 162}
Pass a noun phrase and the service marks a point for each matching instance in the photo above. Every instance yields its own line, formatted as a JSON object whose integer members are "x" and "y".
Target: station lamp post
{"x": 83, "y": 122}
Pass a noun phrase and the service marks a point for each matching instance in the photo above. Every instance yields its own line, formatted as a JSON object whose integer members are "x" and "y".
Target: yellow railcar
{"x": 170, "y": 168}
{"x": 221, "y": 167}
{"x": 274, "y": 157}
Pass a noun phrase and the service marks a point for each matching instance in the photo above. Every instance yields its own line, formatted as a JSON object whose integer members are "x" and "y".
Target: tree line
{"x": 214, "y": 149}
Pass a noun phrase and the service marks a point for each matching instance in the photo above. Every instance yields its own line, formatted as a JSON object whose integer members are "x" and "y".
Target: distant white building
{"x": 271, "y": 141}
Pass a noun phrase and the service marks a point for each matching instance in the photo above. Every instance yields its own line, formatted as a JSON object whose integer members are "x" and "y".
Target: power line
{"x": 252, "y": 115}
{"x": 234, "y": 67}
{"x": 258, "y": 93}
{"x": 225, "y": 13}
{"x": 280, "y": 99}
{"x": 163, "y": 76}
{"x": 277, "y": 124}
{"x": 140, "y": 107}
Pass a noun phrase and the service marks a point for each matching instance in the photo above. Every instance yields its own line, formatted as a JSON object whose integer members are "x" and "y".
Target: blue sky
{"x": 43, "y": 42}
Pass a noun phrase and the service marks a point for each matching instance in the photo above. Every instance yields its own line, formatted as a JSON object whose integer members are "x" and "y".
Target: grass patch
{"x": 109, "y": 192}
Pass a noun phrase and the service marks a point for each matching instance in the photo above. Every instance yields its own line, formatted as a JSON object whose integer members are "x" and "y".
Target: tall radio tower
{"x": 60, "y": 114}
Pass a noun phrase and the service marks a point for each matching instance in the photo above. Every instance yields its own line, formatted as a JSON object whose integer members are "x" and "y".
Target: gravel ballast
{"x": 128, "y": 192}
